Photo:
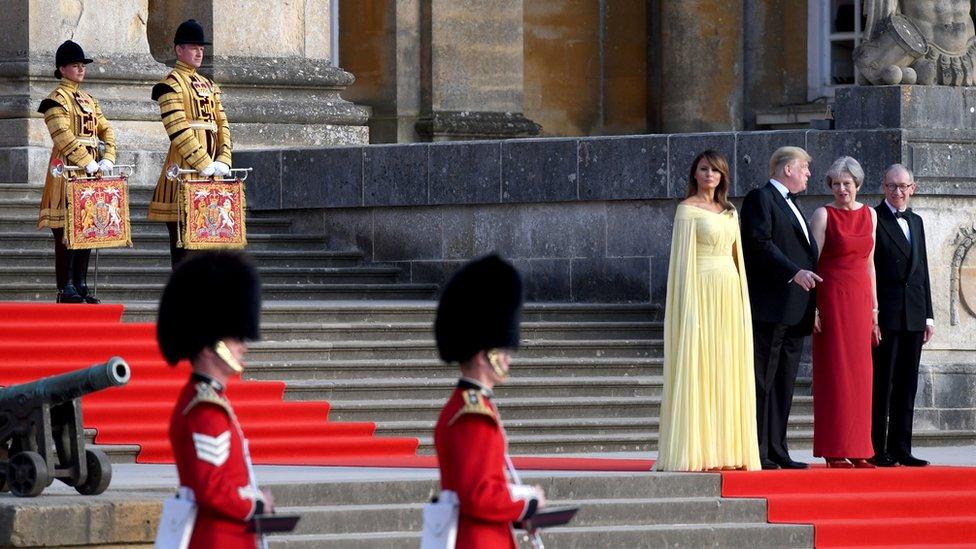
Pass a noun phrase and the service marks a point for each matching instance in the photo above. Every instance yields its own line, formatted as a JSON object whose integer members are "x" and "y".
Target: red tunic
{"x": 208, "y": 446}
{"x": 471, "y": 451}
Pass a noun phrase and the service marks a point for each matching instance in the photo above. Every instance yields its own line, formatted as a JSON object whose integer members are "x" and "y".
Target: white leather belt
{"x": 203, "y": 125}
{"x": 88, "y": 141}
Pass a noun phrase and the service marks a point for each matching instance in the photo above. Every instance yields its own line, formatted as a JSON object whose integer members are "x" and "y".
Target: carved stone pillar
{"x": 696, "y": 66}
{"x": 274, "y": 67}
{"x": 471, "y": 70}
{"x": 120, "y": 77}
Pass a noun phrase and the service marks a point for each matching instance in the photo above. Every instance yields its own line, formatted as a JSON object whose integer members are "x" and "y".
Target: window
{"x": 833, "y": 31}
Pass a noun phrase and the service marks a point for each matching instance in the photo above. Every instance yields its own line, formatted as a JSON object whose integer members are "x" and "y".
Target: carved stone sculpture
{"x": 918, "y": 41}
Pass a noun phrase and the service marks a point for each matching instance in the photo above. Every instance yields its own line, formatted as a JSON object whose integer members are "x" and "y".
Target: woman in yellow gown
{"x": 708, "y": 410}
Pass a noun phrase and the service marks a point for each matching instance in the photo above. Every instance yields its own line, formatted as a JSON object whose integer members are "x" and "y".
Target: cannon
{"x": 41, "y": 432}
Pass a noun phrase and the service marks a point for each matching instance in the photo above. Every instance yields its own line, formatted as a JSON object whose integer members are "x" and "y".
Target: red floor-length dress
{"x": 842, "y": 350}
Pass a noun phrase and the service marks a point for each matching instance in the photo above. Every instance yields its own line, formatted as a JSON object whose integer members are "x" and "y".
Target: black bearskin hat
{"x": 68, "y": 52}
{"x": 190, "y": 32}
{"x": 480, "y": 309}
{"x": 209, "y": 297}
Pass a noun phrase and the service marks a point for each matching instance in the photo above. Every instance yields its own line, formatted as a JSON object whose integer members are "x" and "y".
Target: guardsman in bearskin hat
{"x": 208, "y": 445}
{"x": 76, "y": 124}
{"x": 199, "y": 134}
{"x": 477, "y": 326}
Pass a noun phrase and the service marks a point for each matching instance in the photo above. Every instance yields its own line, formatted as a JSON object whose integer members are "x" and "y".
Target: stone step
{"x": 515, "y": 408}
{"x": 346, "y": 519}
{"x": 159, "y": 257}
{"x": 440, "y": 388}
{"x": 117, "y": 453}
{"x": 138, "y": 192}
{"x": 111, "y": 274}
{"x": 417, "y": 311}
{"x": 522, "y": 366}
{"x": 120, "y": 293}
{"x": 40, "y": 240}
{"x": 424, "y": 330}
{"x": 756, "y": 535}
{"x": 139, "y": 225}
{"x": 414, "y": 349}
{"x": 595, "y": 485}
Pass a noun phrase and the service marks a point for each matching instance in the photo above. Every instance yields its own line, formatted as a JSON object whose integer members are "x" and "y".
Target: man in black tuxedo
{"x": 780, "y": 256}
{"x": 905, "y": 318}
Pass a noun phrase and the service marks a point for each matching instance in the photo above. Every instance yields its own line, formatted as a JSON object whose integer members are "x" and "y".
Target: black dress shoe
{"x": 768, "y": 465}
{"x": 911, "y": 461}
{"x": 883, "y": 460}
{"x": 790, "y": 464}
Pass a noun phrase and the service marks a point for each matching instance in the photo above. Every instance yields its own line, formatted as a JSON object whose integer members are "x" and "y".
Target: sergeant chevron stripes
{"x": 213, "y": 450}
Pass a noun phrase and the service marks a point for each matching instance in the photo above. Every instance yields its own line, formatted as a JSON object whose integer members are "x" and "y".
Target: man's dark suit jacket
{"x": 902, "y": 270}
{"x": 775, "y": 249}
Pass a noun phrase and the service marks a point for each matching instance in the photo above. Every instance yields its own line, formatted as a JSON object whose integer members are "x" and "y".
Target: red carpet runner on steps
{"x": 891, "y": 507}
{"x": 38, "y": 340}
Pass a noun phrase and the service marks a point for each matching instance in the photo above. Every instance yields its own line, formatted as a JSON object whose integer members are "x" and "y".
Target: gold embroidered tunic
{"x": 191, "y": 111}
{"x": 76, "y": 124}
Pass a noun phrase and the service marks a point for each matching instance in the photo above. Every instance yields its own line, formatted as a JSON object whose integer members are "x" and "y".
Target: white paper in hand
{"x": 176, "y": 523}
{"x": 441, "y": 522}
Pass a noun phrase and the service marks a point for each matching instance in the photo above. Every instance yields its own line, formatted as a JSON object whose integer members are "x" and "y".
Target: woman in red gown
{"x": 847, "y": 322}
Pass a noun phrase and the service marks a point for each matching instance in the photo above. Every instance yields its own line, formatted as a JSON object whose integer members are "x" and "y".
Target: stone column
{"x": 120, "y": 78}
{"x": 695, "y": 80}
{"x": 471, "y": 70}
{"x": 275, "y": 68}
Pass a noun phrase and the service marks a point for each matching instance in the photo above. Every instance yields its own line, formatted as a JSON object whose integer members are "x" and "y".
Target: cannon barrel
{"x": 65, "y": 387}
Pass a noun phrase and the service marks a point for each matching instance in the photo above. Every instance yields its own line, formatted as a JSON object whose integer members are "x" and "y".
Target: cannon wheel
{"x": 27, "y": 474}
{"x": 99, "y": 473}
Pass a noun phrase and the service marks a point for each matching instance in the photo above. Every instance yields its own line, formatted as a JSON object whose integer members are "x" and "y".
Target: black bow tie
{"x": 790, "y": 196}
{"x": 902, "y": 215}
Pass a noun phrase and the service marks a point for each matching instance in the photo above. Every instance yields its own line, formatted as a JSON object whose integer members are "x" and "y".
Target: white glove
{"x": 105, "y": 165}
{"x": 222, "y": 170}
{"x": 209, "y": 170}
{"x": 91, "y": 167}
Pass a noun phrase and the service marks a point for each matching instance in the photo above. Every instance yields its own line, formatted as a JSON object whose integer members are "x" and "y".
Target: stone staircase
{"x": 588, "y": 377}
{"x": 616, "y": 510}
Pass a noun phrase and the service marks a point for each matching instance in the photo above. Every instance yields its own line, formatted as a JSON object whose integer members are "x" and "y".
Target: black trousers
{"x": 176, "y": 254}
{"x": 777, "y": 349}
{"x": 895, "y": 384}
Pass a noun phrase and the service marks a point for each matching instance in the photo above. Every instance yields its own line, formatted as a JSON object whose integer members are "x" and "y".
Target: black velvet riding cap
{"x": 68, "y": 52}
{"x": 209, "y": 297}
{"x": 190, "y": 32}
{"x": 480, "y": 309}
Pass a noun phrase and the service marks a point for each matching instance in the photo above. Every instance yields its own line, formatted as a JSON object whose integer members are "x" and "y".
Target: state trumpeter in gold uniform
{"x": 194, "y": 118}
{"x": 76, "y": 124}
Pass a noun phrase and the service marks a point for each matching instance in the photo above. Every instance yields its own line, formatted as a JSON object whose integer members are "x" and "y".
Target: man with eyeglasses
{"x": 904, "y": 316}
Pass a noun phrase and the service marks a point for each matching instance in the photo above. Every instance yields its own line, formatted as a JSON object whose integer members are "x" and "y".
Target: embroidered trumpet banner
{"x": 214, "y": 214}
{"x": 98, "y": 213}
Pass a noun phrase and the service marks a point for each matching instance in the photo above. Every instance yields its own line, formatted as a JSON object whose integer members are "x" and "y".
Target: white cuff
{"x": 930, "y": 322}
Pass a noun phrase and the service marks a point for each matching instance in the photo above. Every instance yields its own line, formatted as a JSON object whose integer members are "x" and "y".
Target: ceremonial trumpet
{"x": 175, "y": 171}
{"x": 59, "y": 169}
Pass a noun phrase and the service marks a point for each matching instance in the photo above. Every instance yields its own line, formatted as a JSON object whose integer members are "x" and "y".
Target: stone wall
{"x": 589, "y": 219}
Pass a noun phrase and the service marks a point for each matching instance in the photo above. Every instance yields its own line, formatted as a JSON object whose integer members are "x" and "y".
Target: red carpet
{"x": 38, "y": 340}
{"x": 892, "y": 507}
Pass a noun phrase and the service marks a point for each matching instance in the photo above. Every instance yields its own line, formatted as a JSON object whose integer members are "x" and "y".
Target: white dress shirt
{"x": 902, "y": 222}
{"x": 799, "y": 217}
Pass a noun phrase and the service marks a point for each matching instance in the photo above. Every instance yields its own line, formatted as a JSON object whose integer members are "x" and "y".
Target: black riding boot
{"x": 81, "y": 275}
{"x": 63, "y": 269}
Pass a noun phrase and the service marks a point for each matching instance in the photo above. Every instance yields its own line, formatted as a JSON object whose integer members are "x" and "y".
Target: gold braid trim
{"x": 474, "y": 403}
{"x": 206, "y": 393}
